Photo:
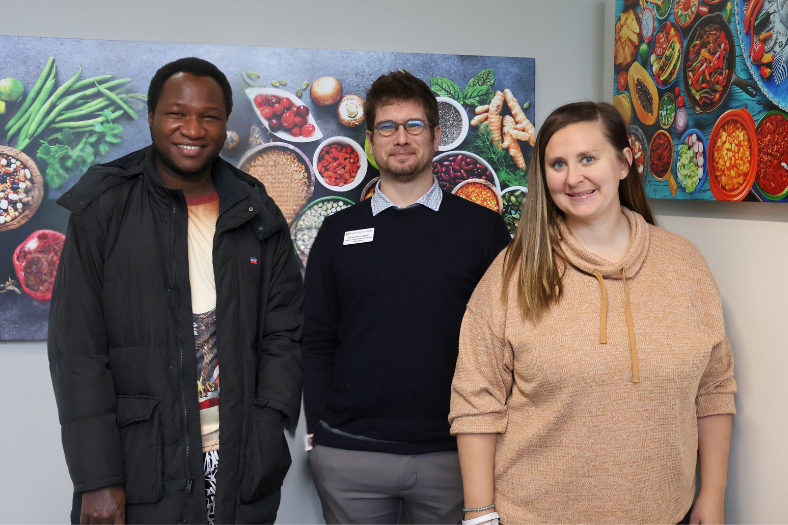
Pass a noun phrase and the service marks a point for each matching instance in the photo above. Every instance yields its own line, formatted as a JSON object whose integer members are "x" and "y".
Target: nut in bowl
{"x": 21, "y": 188}
{"x": 481, "y": 192}
{"x": 340, "y": 163}
{"x": 284, "y": 114}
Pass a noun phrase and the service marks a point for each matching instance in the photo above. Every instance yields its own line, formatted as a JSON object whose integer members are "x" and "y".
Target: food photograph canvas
{"x": 703, "y": 86}
{"x": 297, "y": 125}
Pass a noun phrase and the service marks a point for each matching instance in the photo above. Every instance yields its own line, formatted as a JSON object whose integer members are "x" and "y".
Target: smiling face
{"x": 403, "y": 156}
{"x": 583, "y": 171}
{"x": 188, "y": 126}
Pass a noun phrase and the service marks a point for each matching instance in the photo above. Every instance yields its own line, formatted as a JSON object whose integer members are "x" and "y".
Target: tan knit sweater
{"x": 579, "y": 440}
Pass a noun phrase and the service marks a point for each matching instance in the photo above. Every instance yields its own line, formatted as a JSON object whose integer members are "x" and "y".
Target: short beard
{"x": 410, "y": 174}
{"x": 187, "y": 175}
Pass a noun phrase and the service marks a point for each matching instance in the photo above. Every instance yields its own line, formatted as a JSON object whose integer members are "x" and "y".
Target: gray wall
{"x": 745, "y": 244}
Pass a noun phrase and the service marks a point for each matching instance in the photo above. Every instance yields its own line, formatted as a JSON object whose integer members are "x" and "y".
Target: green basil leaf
{"x": 446, "y": 88}
{"x": 484, "y": 78}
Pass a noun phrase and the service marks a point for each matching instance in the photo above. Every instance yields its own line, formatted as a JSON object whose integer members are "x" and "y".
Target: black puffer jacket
{"x": 121, "y": 344}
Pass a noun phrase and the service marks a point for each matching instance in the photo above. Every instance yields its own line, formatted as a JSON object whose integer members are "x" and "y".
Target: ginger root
{"x": 510, "y": 142}
{"x": 478, "y": 119}
{"x": 523, "y": 124}
{"x": 494, "y": 118}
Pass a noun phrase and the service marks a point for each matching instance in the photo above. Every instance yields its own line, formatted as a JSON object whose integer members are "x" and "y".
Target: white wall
{"x": 745, "y": 244}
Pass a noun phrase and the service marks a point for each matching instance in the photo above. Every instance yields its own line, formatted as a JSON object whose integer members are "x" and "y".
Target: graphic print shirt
{"x": 203, "y": 213}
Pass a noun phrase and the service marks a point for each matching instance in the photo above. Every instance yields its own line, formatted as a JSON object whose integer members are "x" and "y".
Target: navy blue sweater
{"x": 382, "y": 322}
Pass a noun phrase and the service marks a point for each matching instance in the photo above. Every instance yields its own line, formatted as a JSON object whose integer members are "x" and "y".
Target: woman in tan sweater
{"x": 594, "y": 369}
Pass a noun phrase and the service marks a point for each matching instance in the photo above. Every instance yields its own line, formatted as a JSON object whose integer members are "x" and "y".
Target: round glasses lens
{"x": 414, "y": 127}
{"x": 387, "y": 128}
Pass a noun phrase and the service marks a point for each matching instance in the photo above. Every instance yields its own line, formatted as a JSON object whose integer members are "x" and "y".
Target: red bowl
{"x": 745, "y": 119}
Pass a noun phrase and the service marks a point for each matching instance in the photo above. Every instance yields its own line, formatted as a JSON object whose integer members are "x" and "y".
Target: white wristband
{"x": 492, "y": 516}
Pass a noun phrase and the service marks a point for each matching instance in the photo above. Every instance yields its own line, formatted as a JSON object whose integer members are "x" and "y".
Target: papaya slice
{"x": 645, "y": 99}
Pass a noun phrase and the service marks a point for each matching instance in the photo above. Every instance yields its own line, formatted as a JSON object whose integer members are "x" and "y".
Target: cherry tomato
{"x": 279, "y": 109}
{"x": 300, "y": 121}
{"x": 274, "y": 124}
{"x": 680, "y": 101}
{"x": 302, "y": 111}
{"x": 273, "y": 99}
{"x": 678, "y": 91}
{"x": 286, "y": 102}
{"x": 307, "y": 130}
{"x": 267, "y": 112}
{"x": 259, "y": 101}
{"x": 288, "y": 120}
{"x": 296, "y": 131}
{"x": 622, "y": 81}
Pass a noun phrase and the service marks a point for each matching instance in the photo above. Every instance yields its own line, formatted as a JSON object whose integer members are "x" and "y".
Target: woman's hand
{"x": 708, "y": 509}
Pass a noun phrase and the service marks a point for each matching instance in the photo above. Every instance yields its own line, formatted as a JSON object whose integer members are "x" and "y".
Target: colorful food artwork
{"x": 713, "y": 69}
{"x": 297, "y": 125}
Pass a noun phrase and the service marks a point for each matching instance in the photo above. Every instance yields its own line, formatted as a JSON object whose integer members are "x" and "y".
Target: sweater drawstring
{"x": 630, "y": 323}
{"x": 602, "y": 308}
{"x": 633, "y": 345}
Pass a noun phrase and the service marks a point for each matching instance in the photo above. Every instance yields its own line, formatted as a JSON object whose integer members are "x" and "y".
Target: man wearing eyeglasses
{"x": 387, "y": 282}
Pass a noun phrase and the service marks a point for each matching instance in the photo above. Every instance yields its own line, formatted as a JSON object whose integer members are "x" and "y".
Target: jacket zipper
{"x": 180, "y": 347}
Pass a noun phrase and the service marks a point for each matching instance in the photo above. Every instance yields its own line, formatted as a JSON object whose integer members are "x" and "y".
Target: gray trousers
{"x": 374, "y": 487}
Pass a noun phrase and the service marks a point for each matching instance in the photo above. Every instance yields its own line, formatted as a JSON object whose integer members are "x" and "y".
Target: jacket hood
{"x": 239, "y": 192}
{"x": 626, "y": 268}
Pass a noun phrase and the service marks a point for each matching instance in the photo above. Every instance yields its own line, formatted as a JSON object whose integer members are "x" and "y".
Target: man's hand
{"x": 106, "y": 505}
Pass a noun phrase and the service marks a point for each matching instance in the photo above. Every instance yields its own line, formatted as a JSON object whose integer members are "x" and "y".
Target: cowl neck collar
{"x": 590, "y": 263}
{"x": 626, "y": 268}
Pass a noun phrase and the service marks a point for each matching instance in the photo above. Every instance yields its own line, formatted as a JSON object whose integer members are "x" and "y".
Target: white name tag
{"x": 359, "y": 236}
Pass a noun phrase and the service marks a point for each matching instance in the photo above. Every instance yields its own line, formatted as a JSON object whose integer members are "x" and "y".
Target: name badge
{"x": 359, "y": 236}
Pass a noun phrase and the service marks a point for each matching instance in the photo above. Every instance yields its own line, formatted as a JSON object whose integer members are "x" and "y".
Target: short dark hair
{"x": 400, "y": 86}
{"x": 194, "y": 66}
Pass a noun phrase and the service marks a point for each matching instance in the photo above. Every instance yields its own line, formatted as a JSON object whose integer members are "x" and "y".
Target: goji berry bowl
{"x": 340, "y": 163}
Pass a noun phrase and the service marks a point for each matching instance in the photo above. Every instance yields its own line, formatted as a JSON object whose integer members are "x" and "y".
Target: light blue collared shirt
{"x": 432, "y": 199}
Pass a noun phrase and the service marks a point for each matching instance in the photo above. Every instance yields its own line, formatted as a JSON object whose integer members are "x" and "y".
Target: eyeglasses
{"x": 388, "y": 127}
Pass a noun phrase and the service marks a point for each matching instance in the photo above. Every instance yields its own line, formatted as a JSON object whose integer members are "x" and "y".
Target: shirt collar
{"x": 432, "y": 199}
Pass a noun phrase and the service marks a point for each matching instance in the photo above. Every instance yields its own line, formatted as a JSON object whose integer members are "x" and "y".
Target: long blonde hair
{"x": 535, "y": 254}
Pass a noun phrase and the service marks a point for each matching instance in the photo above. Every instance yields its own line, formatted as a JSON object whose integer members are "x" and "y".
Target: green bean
{"x": 112, "y": 96}
{"x": 40, "y": 101}
{"x": 35, "y": 129}
{"x": 83, "y": 123}
{"x": 71, "y": 98}
{"x": 84, "y": 110}
{"x": 32, "y": 95}
{"x": 89, "y": 81}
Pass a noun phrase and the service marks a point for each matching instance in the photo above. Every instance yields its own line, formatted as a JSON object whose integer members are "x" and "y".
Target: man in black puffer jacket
{"x": 174, "y": 262}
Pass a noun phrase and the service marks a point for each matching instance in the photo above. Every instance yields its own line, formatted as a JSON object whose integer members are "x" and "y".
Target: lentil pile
{"x": 286, "y": 178}
{"x": 480, "y": 194}
{"x": 450, "y": 121}
{"x": 644, "y": 96}
{"x": 306, "y": 228}
{"x": 16, "y": 185}
{"x": 732, "y": 155}
{"x": 513, "y": 209}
